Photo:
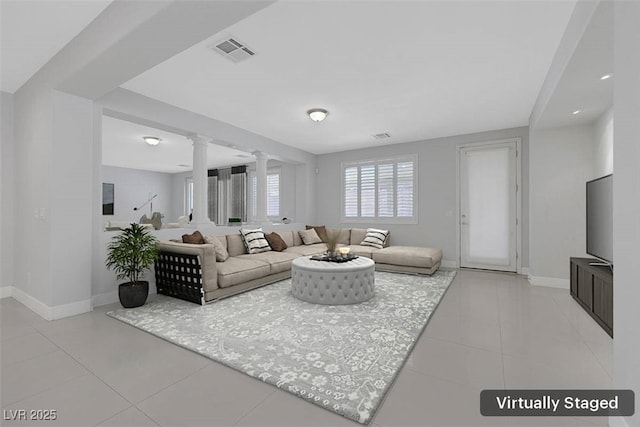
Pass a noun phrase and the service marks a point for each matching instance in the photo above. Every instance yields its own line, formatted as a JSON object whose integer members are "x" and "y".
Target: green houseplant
{"x": 129, "y": 254}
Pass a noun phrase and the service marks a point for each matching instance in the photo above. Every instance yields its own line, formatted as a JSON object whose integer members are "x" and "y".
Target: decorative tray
{"x": 334, "y": 258}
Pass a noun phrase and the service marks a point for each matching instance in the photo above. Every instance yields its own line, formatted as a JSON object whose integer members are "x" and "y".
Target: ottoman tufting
{"x": 330, "y": 283}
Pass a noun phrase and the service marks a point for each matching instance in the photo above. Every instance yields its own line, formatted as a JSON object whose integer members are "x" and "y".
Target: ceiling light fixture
{"x": 576, "y": 112}
{"x": 151, "y": 140}
{"x": 606, "y": 77}
{"x": 317, "y": 114}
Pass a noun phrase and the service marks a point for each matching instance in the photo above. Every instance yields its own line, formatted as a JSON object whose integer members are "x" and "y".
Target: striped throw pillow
{"x": 375, "y": 238}
{"x": 254, "y": 240}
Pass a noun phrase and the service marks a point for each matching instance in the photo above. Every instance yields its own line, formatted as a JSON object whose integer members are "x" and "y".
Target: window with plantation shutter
{"x": 380, "y": 190}
{"x": 273, "y": 194}
{"x": 351, "y": 193}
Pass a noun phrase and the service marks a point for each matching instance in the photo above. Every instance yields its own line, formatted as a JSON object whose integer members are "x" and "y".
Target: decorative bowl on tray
{"x": 334, "y": 257}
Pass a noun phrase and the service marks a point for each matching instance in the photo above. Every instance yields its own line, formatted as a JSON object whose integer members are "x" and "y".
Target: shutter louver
{"x": 385, "y": 190}
{"x": 351, "y": 192}
{"x": 368, "y": 191}
{"x": 405, "y": 189}
{"x": 273, "y": 195}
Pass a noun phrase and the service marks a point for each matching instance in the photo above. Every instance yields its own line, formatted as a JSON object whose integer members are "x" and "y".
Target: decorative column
{"x": 261, "y": 186}
{"x": 200, "y": 185}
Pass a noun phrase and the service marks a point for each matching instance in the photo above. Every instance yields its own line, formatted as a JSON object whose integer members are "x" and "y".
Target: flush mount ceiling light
{"x": 151, "y": 140}
{"x": 317, "y": 114}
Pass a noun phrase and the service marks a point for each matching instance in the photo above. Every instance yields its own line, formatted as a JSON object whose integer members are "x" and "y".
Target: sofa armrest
{"x": 186, "y": 266}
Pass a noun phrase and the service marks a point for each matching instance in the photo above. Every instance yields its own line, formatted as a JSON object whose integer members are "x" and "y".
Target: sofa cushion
{"x": 238, "y": 269}
{"x": 297, "y": 240}
{"x": 235, "y": 245}
{"x": 357, "y": 235}
{"x": 376, "y": 238}
{"x": 287, "y": 236}
{"x": 320, "y": 229}
{"x": 221, "y": 250}
{"x": 275, "y": 241}
{"x": 195, "y": 238}
{"x": 360, "y": 250}
{"x": 254, "y": 240}
{"x": 309, "y": 237}
{"x": 410, "y": 256}
{"x": 344, "y": 237}
{"x": 278, "y": 261}
{"x": 304, "y": 250}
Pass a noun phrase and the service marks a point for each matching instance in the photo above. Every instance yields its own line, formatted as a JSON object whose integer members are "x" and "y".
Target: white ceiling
{"x": 32, "y": 32}
{"x": 417, "y": 70}
{"x": 580, "y": 87}
{"x": 123, "y": 146}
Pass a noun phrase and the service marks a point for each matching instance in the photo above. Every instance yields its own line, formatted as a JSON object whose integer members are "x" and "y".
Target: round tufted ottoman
{"x": 331, "y": 283}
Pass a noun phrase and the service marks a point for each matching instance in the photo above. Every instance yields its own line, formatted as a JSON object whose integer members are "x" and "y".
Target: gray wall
{"x": 437, "y": 177}
{"x": 7, "y": 158}
{"x": 562, "y": 161}
{"x": 626, "y": 204}
{"x": 132, "y": 189}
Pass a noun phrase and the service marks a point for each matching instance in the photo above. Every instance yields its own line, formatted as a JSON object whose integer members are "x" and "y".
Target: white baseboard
{"x": 71, "y": 309}
{"x": 51, "y": 313}
{"x": 449, "y": 263}
{"x": 6, "y": 291}
{"x": 550, "y": 282}
{"x": 104, "y": 299}
{"x": 618, "y": 422}
{"x": 524, "y": 271}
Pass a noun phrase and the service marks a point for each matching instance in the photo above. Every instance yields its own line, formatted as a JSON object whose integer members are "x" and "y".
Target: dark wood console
{"x": 592, "y": 288}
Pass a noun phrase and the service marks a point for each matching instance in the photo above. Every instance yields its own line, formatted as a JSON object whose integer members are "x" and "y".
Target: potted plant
{"x": 129, "y": 254}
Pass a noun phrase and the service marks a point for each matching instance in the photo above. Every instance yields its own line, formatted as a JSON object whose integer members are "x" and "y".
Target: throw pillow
{"x": 254, "y": 240}
{"x": 321, "y": 230}
{"x": 221, "y": 251}
{"x": 309, "y": 237}
{"x": 195, "y": 238}
{"x": 375, "y": 238}
{"x": 276, "y": 242}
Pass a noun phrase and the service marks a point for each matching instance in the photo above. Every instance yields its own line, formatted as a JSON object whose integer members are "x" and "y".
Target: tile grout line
{"x": 255, "y": 406}
{"x": 123, "y": 411}
{"x": 504, "y": 375}
{"x": 582, "y": 339}
{"x": 34, "y": 357}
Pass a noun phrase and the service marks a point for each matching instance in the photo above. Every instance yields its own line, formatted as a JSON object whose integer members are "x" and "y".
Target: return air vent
{"x": 232, "y": 49}
{"x": 382, "y": 135}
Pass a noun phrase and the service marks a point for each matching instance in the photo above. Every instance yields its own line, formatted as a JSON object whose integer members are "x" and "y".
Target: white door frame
{"x": 459, "y": 148}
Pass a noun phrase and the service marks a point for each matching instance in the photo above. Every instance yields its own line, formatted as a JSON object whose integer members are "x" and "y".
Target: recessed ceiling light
{"x": 317, "y": 114}
{"x": 606, "y": 77}
{"x": 151, "y": 140}
{"x": 383, "y": 135}
{"x": 576, "y": 112}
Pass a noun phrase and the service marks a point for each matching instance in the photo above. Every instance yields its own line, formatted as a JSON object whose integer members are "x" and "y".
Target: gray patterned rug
{"x": 343, "y": 358}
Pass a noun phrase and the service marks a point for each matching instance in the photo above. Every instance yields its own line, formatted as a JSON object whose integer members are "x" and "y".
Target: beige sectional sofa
{"x": 191, "y": 272}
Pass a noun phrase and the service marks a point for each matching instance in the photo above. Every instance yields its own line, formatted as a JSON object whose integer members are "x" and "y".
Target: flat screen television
{"x": 600, "y": 218}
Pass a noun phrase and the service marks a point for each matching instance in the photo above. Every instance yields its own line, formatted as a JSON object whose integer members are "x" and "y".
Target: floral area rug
{"x": 341, "y": 357}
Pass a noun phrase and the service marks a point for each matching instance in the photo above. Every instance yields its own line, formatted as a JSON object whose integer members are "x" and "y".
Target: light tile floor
{"x": 491, "y": 330}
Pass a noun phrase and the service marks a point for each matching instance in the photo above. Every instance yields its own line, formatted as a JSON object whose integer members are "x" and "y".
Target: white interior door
{"x": 488, "y": 207}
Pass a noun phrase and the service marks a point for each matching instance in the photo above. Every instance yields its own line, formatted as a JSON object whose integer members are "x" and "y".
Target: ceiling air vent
{"x": 232, "y": 49}
{"x": 382, "y": 135}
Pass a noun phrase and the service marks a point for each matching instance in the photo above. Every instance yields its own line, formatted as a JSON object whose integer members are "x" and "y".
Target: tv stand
{"x": 600, "y": 264}
{"x": 592, "y": 288}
